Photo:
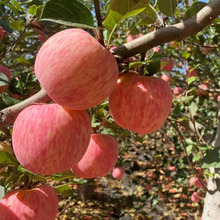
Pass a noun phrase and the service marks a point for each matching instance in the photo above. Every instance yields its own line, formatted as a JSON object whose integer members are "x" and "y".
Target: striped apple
{"x": 99, "y": 159}
{"x": 140, "y": 103}
{"x": 48, "y": 139}
{"x": 76, "y": 71}
{"x": 38, "y": 203}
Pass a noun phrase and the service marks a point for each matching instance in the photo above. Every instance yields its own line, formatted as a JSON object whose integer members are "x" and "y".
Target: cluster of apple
{"x": 78, "y": 73}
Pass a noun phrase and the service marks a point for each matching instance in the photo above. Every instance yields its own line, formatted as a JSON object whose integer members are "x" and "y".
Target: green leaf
{"x": 120, "y": 10}
{"x": 195, "y": 7}
{"x": 16, "y": 25}
{"x": 134, "y": 65}
{"x": 212, "y": 159}
{"x": 33, "y": 9}
{"x": 193, "y": 108}
{"x": 23, "y": 61}
{"x": 9, "y": 101}
{"x": 68, "y": 12}
{"x": 153, "y": 63}
{"x": 62, "y": 176}
{"x": 167, "y": 6}
{"x": 64, "y": 190}
{"x": 148, "y": 16}
{"x": 7, "y": 158}
{"x": 3, "y": 79}
{"x": 191, "y": 79}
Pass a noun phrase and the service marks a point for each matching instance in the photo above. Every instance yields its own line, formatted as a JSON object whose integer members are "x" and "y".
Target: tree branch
{"x": 140, "y": 45}
{"x": 8, "y": 115}
{"x": 179, "y": 31}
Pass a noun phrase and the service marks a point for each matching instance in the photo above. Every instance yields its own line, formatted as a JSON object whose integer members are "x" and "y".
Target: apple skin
{"x": 48, "y": 139}
{"x": 99, "y": 159}
{"x": 195, "y": 197}
{"x": 6, "y": 71}
{"x": 76, "y": 71}
{"x": 3, "y": 33}
{"x": 194, "y": 181}
{"x": 140, "y": 103}
{"x": 177, "y": 90}
{"x": 118, "y": 172}
{"x": 168, "y": 64}
{"x": 38, "y": 203}
{"x": 165, "y": 77}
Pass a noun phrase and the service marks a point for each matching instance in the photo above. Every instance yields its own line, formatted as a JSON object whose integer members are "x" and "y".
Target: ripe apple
{"x": 99, "y": 159}
{"x": 195, "y": 197}
{"x": 167, "y": 64}
{"x": 118, "y": 172}
{"x": 194, "y": 181}
{"x": 130, "y": 37}
{"x": 48, "y": 139}
{"x": 177, "y": 90}
{"x": 76, "y": 71}
{"x": 191, "y": 72}
{"x": 156, "y": 49}
{"x": 7, "y": 73}
{"x": 3, "y": 33}
{"x": 202, "y": 90}
{"x": 38, "y": 203}
{"x": 140, "y": 103}
{"x": 165, "y": 77}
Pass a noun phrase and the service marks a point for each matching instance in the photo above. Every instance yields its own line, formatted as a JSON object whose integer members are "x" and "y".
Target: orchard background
{"x": 177, "y": 41}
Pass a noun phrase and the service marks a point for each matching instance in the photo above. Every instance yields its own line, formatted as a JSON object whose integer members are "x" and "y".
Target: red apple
{"x": 140, "y": 103}
{"x": 38, "y": 203}
{"x": 194, "y": 181}
{"x": 191, "y": 72}
{"x": 156, "y": 49}
{"x": 118, "y": 172}
{"x": 3, "y": 33}
{"x": 172, "y": 168}
{"x": 99, "y": 159}
{"x": 167, "y": 64}
{"x": 177, "y": 90}
{"x": 195, "y": 197}
{"x": 199, "y": 170}
{"x": 202, "y": 90}
{"x": 76, "y": 71}
{"x": 165, "y": 77}
{"x": 7, "y": 73}
{"x": 48, "y": 139}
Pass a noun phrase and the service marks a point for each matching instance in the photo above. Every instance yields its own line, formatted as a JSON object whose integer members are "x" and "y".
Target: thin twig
{"x": 199, "y": 45}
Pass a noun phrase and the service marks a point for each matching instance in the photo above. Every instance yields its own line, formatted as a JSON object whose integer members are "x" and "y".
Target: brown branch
{"x": 99, "y": 22}
{"x": 179, "y": 31}
{"x": 140, "y": 45}
{"x": 8, "y": 115}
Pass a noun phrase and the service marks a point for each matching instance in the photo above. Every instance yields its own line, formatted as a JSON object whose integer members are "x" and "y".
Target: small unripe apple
{"x": 195, "y": 197}
{"x": 177, "y": 90}
{"x": 38, "y": 203}
{"x": 165, "y": 77}
{"x": 140, "y": 103}
{"x": 167, "y": 64}
{"x": 7, "y": 73}
{"x": 99, "y": 159}
{"x": 48, "y": 139}
{"x": 76, "y": 71}
{"x": 118, "y": 172}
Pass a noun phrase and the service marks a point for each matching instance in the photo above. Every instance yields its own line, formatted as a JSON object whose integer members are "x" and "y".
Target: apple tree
{"x": 163, "y": 110}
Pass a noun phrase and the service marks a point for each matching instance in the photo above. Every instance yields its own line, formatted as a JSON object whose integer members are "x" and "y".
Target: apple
{"x": 118, "y": 172}
{"x": 218, "y": 98}
{"x": 140, "y": 103}
{"x": 200, "y": 171}
{"x": 48, "y": 139}
{"x": 177, "y": 90}
{"x": 156, "y": 49}
{"x": 38, "y": 203}
{"x": 202, "y": 90}
{"x": 195, "y": 197}
{"x": 194, "y": 181}
{"x": 167, "y": 64}
{"x": 130, "y": 37}
{"x": 99, "y": 159}
{"x": 165, "y": 77}
{"x": 172, "y": 168}
{"x": 4, "y": 82}
{"x": 76, "y": 71}
{"x": 3, "y": 33}
{"x": 191, "y": 72}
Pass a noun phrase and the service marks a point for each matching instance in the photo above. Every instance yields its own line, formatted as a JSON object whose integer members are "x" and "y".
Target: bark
{"x": 211, "y": 209}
